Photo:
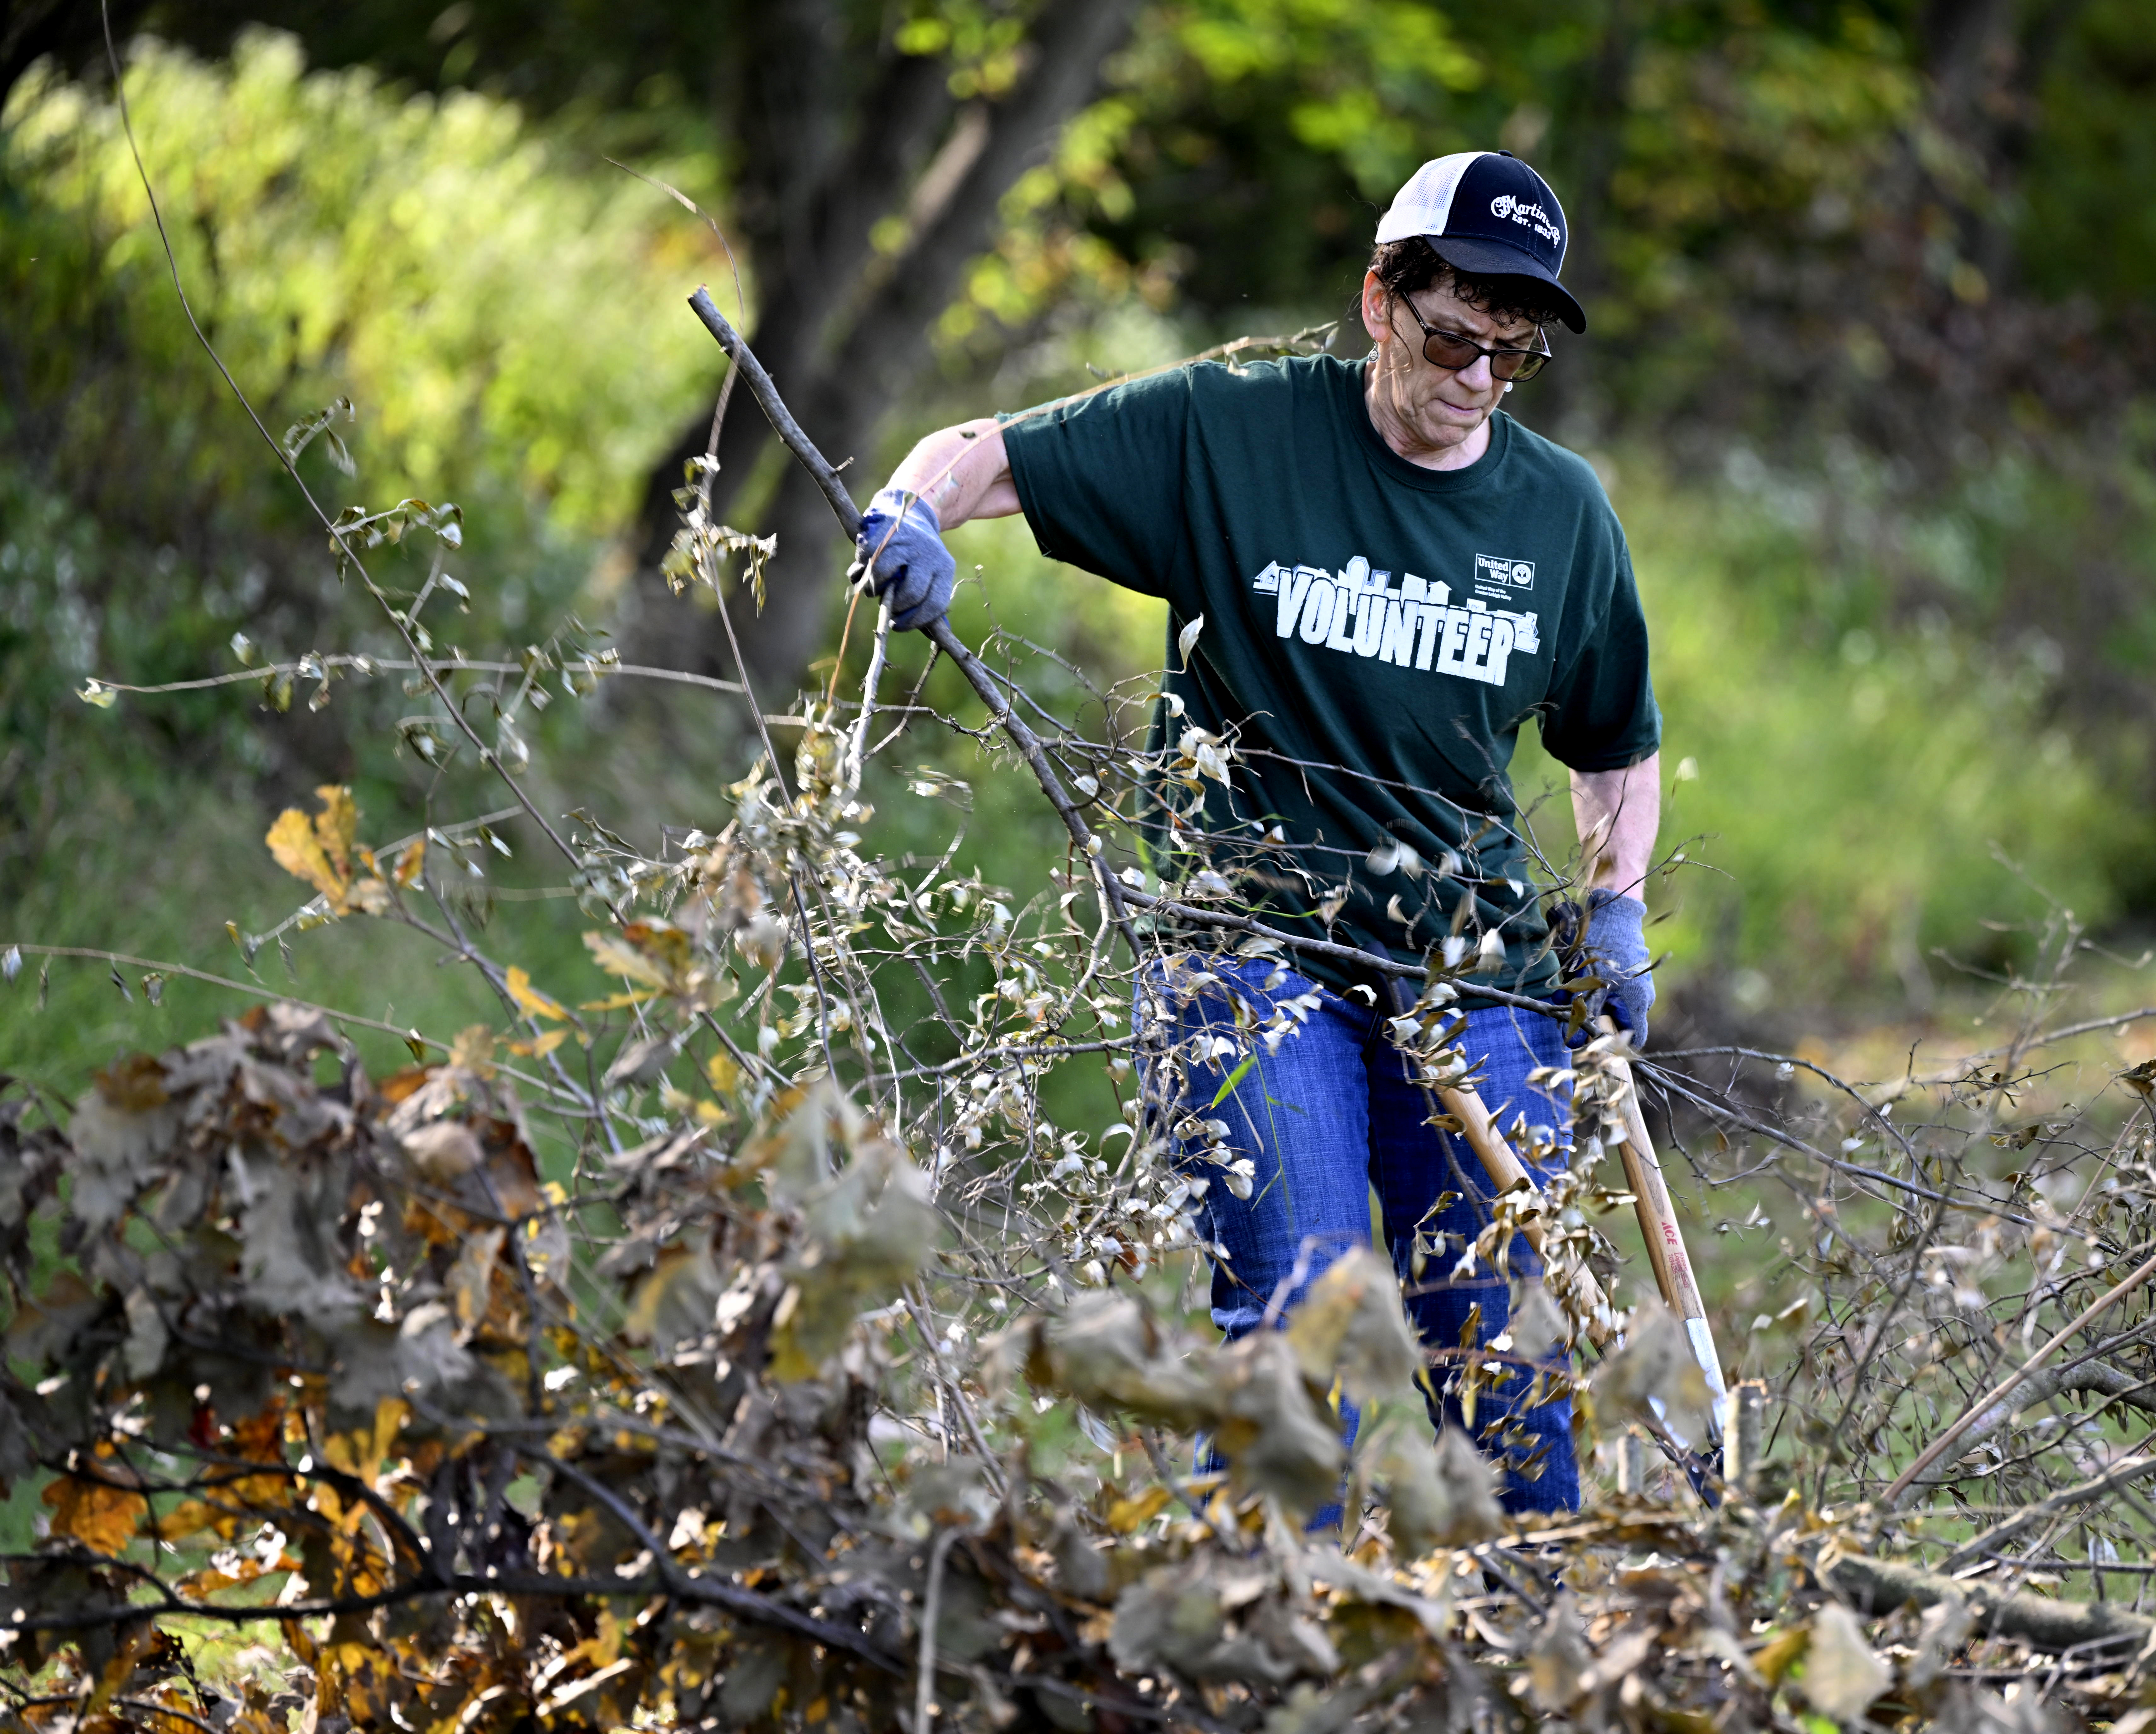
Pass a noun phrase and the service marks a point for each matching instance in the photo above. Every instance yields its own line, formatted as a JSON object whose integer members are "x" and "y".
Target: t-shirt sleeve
{"x": 1101, "y": 478}
{"x": 1601, "y": 713}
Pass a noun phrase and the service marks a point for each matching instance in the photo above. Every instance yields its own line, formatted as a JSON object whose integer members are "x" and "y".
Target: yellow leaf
{"x": 1774, "y": 1659}
{"x": 662, "y": 942}
{"x": 474, "y": 1050}
{"x": 390, "y": 1415}
{"x": 296, "y": 848}
{"x": 470, "y": 1281}
{"x": 133, "y": 1644}
{"x": 606, "y": 1646}
{"x": 620, "y": 960}
{"x": 364, "y": 1450}
{"x": 101, "y": 1517}
{"x": 722, "y": 1071}
{"x": 336, "y": 825}
{"x": 190, "y": 1517}
{"x": 616, "y": 1002}
{"x": 1126, "y": 1515}
{"x": 529, "y": 1000}
{"x": 410, "y": 862}
{"x": 540, "y": 1045}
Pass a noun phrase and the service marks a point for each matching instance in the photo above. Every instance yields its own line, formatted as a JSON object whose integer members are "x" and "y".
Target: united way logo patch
{"x": 1511, "y": 576}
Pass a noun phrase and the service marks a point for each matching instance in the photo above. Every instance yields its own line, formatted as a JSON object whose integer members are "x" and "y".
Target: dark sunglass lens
{"x": 1441, "y": 349}
{"x": 1517, "y": 366}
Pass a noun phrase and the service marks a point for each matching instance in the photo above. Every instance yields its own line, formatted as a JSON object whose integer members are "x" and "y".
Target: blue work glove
{"x": 1617, "y": 946}
{"x": 900, "y": 548}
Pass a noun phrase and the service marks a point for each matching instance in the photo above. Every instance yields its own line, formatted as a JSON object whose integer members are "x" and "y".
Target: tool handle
{"x": 1665, "y": 1236}
{"x": 1508, "y": 1173}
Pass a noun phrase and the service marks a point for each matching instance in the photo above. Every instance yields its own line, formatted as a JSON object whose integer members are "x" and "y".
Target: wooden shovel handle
{"x": 1507, "y": 1173}
{"x": 1665, "y": 1236}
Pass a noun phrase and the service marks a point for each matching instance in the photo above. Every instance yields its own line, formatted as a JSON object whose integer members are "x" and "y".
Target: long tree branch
{"x": 1881, "y": 1586}
{"x": 2100, "y": 1377}
{"x": 1900, "y": 1487}
{"x": 940, "y": 633}
{"x": 2119, "y": 1474}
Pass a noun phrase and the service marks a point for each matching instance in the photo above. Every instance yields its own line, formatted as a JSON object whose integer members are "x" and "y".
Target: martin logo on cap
{"x": 1488, "y": 213}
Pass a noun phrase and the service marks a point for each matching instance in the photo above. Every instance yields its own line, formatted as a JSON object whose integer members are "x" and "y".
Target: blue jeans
{"x": 1330, "y": 1114}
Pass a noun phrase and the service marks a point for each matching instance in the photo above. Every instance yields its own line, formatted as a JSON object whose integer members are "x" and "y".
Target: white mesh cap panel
{"x": 1424, "y": 205}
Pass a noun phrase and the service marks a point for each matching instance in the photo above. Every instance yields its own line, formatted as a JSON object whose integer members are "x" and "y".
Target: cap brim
{"x": 1494, "y": 259}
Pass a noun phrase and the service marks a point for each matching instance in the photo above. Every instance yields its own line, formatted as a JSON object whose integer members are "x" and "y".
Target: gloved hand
{"x": 1617, "y": 944}
{"x": 900, "y": 547}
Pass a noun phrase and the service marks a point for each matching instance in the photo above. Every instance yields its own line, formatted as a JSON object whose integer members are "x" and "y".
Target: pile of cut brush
{"x": 708, "y": 1435}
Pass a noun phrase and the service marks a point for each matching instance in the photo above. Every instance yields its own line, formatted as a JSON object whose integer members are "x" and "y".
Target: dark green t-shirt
{"x": 1375, "y": 633}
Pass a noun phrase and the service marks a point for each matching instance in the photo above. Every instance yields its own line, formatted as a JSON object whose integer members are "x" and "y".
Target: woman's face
{"x": 1422, "y": 410}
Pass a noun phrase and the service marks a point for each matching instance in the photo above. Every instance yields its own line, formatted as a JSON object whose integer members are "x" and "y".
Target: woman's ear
{"x": 1377, "y": 304}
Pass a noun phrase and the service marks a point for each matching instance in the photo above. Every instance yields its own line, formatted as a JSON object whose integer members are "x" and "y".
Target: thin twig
{"x": 2126, "y": 1469}
{"x": 931, "y": 1608}
{"x": 1939, "y": 1447}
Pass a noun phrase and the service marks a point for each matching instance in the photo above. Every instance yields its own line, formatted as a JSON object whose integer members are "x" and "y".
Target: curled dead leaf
{"x": 1842, "y": 1674}
{"x": 443, "y": 1150}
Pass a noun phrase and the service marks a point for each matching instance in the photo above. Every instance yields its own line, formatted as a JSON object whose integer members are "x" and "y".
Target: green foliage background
{"x": 1901, "y": 652}
{"x": 1875, "y": 740}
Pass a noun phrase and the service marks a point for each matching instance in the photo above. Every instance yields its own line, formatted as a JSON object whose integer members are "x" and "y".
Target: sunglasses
{"x": 1452, "y": 351}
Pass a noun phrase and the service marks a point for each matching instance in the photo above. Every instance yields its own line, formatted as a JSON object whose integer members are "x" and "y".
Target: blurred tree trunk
{"x": 1941, "y": 249}
{"x": 1986, "y": 60}
{"x": 844, "y": 327}
{"x": 860, "y": 188}
{"x": 1573, "y": 401}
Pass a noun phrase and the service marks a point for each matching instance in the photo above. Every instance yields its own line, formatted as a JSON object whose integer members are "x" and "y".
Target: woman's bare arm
{"x": 962, "y": 471}
{"x": 1617, "y": 813}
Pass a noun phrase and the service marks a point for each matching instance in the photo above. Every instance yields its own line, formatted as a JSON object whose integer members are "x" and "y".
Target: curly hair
{"x": 1410, "y": 266}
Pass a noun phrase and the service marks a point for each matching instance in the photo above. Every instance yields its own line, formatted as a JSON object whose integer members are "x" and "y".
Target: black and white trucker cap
{"x": 1485, "y": 212}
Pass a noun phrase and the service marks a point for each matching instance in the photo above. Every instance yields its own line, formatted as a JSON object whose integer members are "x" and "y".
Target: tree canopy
{"x": 1916, "y": 226}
